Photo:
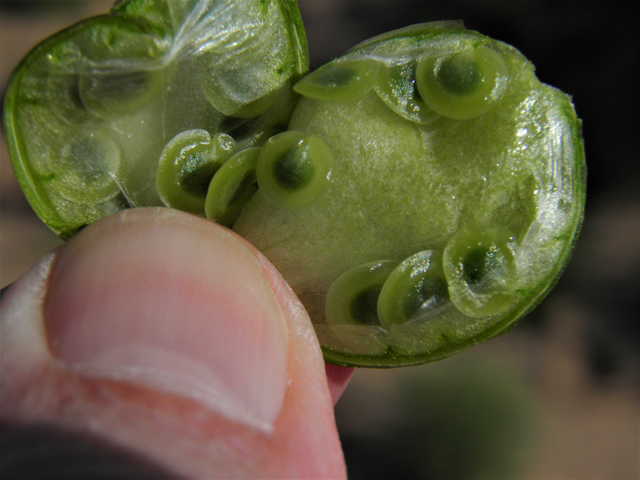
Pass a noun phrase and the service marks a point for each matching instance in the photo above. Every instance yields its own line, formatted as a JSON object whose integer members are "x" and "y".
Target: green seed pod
{"x": 232, "y": 187}
{"x": 187, "y": 165}
{"x": 403, "y": 183}
{"x": 353, "y": 297}
{"x": 465, "y": 84}
{"x": 416, "y": 288}
{"x": 137, "y": 77}
{"x": 339, "y": 82}
{"x": 455, "y": 131}
{"x": 294, "y": 170}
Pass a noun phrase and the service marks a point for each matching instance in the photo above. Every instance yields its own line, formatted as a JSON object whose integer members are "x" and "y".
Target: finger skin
{"x": 338, "y": 378}
{"x": 170, "y": 429}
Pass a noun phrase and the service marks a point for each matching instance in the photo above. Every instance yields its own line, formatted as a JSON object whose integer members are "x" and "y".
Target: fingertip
{"x": 175, "y": 302}
{"x": 120, "y": 300}
{"x": 338, "y": 378}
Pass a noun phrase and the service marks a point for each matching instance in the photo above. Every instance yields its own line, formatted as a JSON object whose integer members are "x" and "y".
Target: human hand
{"x": 168, "y": 336}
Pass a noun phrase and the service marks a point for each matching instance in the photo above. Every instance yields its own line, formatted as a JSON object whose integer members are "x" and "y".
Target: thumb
{"x": 160, "y": 331}
{"x": 145, "y": 301}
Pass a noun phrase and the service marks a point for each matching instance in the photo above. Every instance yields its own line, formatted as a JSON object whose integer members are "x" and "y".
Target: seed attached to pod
{"x": 294, "y": 169}
{"x": 339, "y": 81}
{"x": 67, "y": 103}
{"x": 102, "y": 92}
{"x": 479, "y": 265}
{"x": 353, "y": 297}
{"x": 228, "y": 104}
{"x": 396, "y": 87}
{"x": 463, "y": 85}
{"x": 232, "y": 186}
{"x": 187, "y": 165}
{"x": 86, "y": 169}
{"x": 125, "y": 76}
{"x": 415, "y": 288}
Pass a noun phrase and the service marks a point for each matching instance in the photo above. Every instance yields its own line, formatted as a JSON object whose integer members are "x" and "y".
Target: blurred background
{"x": 559, "y": 396}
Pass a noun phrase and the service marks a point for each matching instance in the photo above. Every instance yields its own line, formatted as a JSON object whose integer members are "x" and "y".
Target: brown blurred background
{"x": 558, "y": 397}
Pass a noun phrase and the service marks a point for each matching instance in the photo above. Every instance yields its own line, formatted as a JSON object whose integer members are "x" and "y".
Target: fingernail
{"x": 173, "y": 302}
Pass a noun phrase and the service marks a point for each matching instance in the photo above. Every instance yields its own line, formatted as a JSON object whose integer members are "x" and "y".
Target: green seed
{"x": 249, "y": 58}
{"x": 232, "y": 187}
{"x": 396, "y": 87}
{"x": 64, "y": 92}
{"x": 294, "y": 170}
{"x": 339, "y": 81}
{"x": 110, "y": 94}
{"x": 353, "y": 297}
{"x": 122, "y": 70}
{"x": 463, "y": 85}
{"x": 187, "y": 165}
{"x": 479, "y": 264}
{"x": 417, "y": 287}
{"x": 86, "y": 168}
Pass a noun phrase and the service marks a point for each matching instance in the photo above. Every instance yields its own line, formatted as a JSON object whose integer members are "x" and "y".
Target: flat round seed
{"x": 232, "y": 187}
{"x": 463, "y": 85}
{"x": 294, "y": 169}
{"x": 86, "y": 168}
{"x": 110, "y": 94}
{"x": 479, "y": 265}
{"x": 64, "y": 91}
{"x": 187, "y": 165}
{"x": 353, "y": 297}
{"x": 249, "y": 57}
{"x": 416, "y": 287}
{"x": 396, "y": 87}
{"x": 339, "y": 81}
{"x": 122, "y": 71}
